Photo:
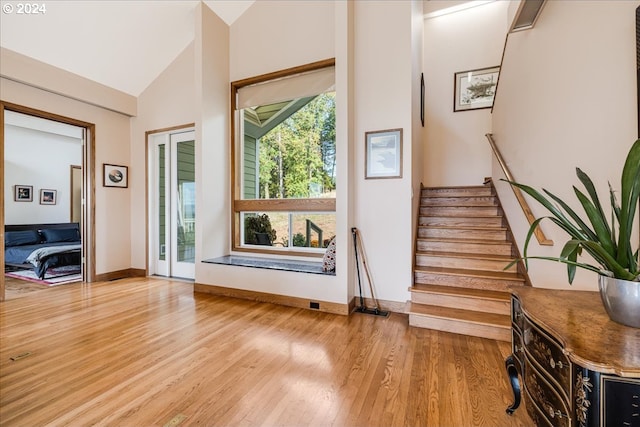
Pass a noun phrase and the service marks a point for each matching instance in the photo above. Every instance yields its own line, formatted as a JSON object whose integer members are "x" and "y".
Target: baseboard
{"x": 120, "y": 274}
{"x": 393, "y": 306}
{"x": 327, "y": 307}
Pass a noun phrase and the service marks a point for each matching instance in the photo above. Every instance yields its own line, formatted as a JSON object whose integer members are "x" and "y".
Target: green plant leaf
{"x": 581, "y": 224}
{"x": 561, "y": 260}
{"x": 615, "y": 212}
{"x": 609, "y": 263}
{"x": 598, "y": 221}
{"x": 630, "y": 187}
{"x": 575, "y": 231}
{"x": 591, "y": 190}
{"x": 570, "y": 251}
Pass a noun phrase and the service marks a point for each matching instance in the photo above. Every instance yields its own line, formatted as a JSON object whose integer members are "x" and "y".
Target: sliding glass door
{"x": 172, "y": 193}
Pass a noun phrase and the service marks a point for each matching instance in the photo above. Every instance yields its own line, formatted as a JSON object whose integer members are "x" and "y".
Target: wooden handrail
{"x": 542, "y": 239}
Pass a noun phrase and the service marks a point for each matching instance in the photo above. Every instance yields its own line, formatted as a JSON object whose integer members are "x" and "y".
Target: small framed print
{"x": 383, "y": 157}
{"x": 475, "y": 89}
{"x": 23, "y": 193}
{"x": 115, "y": 176}
{"x": 48, "y": 197}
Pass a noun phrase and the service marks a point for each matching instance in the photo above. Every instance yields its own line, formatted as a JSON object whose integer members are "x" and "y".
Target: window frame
{"x": 239, "y": 204}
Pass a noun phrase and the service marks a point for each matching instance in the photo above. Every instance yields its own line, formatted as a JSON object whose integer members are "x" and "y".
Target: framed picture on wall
{"x": 383, "y": 154}
{"x": 48, "y": 197}
{"x": 475, "y": 89}
{"x": 23, "y": 193}
{"x": 115, "y": 176}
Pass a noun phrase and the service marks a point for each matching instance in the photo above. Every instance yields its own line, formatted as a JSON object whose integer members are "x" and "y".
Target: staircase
{"x": 462, "y": 247}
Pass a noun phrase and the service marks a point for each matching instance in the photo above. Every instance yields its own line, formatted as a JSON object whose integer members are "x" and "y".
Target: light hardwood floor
{"x": 16, "y": 288}
{"x": 150, "y": 352}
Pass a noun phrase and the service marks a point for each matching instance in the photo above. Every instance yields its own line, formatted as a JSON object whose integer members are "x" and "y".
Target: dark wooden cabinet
{"x": 578, "y": 368}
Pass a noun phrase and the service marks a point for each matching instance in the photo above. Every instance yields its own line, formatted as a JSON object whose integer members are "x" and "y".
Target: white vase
{"x": 621, "y": 299}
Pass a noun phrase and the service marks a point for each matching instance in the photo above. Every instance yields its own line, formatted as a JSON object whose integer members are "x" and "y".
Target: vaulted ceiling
{"x": 121, "y": 44}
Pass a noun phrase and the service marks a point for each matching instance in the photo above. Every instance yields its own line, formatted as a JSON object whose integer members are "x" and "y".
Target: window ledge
{"x": 272, "y": 264}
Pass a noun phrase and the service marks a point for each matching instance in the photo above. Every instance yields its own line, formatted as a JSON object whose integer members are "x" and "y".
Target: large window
{"x": 284, "y": 160}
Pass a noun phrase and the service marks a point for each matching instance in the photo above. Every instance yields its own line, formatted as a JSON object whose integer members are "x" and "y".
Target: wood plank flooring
{"x": 150, "y": 352}
{"x": 16, "y": 288}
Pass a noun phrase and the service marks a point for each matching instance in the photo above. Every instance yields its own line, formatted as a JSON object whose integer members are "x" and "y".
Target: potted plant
{"x": 258, "y": 231}
{"x": 607, "y": 241}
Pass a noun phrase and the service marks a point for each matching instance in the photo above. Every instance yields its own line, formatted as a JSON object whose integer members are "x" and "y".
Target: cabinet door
{"x": 621, "y": 401}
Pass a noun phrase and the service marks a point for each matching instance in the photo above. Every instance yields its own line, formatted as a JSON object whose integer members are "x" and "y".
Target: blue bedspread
{"x": 19, "y": 254}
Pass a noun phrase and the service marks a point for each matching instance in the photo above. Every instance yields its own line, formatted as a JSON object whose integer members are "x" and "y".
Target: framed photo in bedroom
{"x": 115, "y": 176}
{"x": 23, "y": 193}
{"x": 475, "y": 89}
{"x": 48, "y": 197}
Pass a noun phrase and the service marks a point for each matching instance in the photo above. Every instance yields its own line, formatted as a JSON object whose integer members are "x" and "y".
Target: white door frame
{"x": 168, "y": 267}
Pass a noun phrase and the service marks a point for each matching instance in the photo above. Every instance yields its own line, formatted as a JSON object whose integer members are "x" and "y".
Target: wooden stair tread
{"x": 458, "y": 196}
{"x": 489, "y": 257}
{"x": 464, "y": 227}
{"x": 462, "y": 187}
{"x": 462, "y": 292}
{"x": 490, "y": 319}
{"x": 472, "y": 241}
{"x": 497, "y": 275}
{"x": 461, "y": 216}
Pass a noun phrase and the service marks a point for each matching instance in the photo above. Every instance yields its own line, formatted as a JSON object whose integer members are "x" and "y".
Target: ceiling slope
{"x": 121, "y": 44}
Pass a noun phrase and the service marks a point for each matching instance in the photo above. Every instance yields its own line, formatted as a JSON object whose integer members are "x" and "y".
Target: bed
{"x": 42, "y": 246}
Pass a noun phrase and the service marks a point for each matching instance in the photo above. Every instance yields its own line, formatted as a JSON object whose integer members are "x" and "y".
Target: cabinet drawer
{"x": 538, "y": 417}
{"x": 545, "y": 396}
{"x": 517, "y": 318}
{"x": 516, "y": 347}
{"x": 548, "y": 354}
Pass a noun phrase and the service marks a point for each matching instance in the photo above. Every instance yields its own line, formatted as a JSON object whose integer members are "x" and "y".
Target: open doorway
{"x": 47, "y": 196}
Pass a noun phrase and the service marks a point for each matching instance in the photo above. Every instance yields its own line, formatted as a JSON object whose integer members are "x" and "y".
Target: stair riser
{"x": 459, "y": 210}
{"x": 457, "y": 192}
{"x": 458, "y": 201}
{"x": 466, "y": 263}
{"x": 423, "y": 277}
{"x": 461, "y": 302}
{"x": 452, "y": 233}
{"x": 465, "y": 248}
{"x": 495, "y": 221}
{"x": 460, "y": 327}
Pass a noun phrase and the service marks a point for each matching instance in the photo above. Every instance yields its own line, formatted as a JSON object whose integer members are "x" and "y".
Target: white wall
{"x": 383, "y": 100}
{"x": 42, "y": 160}
{"x": 170, "y": 100}
{"x": 274, "y": 35}
{"x": 456, "y": 151}
{"x": 566, "y": 98}
{"x": 248, "y": 56}
{"x": 417, "y": 143}
{"x": 112, "y": 244}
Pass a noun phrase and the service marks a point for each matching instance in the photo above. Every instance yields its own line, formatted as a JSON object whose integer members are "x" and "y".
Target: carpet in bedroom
{"x": 55, "y": 276}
